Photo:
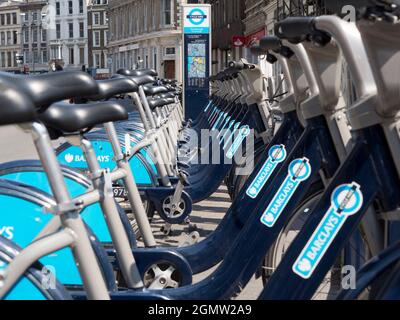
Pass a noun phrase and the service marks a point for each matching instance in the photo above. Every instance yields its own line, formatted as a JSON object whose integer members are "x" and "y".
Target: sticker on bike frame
{"x": 277, "y": 154}
{"x": 243, "y": 134}
{"x": 208, "y": 106}
{"x": 227, "y": 131}
{"x": 346, "y": 201}
{"x": 221, "y": 115}
{"x": 299, "y": 171}
{"x": 229, "y": 134}
{"x": 224, "y": 126}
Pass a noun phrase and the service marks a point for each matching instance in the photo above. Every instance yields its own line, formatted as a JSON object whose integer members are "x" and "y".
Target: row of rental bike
{"x": 318, "y": 210}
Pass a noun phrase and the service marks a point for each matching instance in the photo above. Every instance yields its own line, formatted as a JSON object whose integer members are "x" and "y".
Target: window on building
{"x": 81, "y": 30}
{"x": 96, "y": 39}
{"x": 71, "y": 56}
{"x": 170, "y": 51}
{"x": 80, "y": 6}
{"x": 167, "y": 12}
{"x": 26, "y": 35}
{"x": 45, "y": 60}
{"x": 9, "y": 59}
{"x": 3, "y": 59}
{"x": 2, "y": 20}
{"x": 34, "y": 16}
{"x": 3, "y": 39}
{"x": 8, "y": 15}
{"x": 9, "y": 37}
{"x": 54, "y": 53}
{"x": 81, "y": 55}
{"x": 15, "y": 37}
{"x": 14, "y": 18}
{"x": 70, "y": 7}
{"x": 97, "y": 60}
{"x": 58, "y": 31}
{"x": 58, "y": 10}
{"x": 96, "y": 18}
{"x": 35, "y": 56}
{"x": 44, "y": 35}
{"x": 71, "y": 30}
{"x": 34, "y": 35}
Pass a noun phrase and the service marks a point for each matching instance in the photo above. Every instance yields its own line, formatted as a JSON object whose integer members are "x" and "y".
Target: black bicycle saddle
{"x": 15, "y": 105}
{"x": 139, "y": 80}
{"x": 115, "y": 86}
{"x": 154, "y": 90}
{"x": 65, "y": 118}
{"x": 160, "y": 102}
{"x": 47, "y": 89}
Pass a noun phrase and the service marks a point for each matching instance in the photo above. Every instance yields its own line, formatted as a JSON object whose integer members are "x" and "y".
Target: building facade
{"x": 68, "y": 38}
{"x": 98, "y": 34}
{"x": 145, "y": 34}
{"x": 34, "y": 49}
{"x": 228, "y": 32}
{"x": 10, "y": 36}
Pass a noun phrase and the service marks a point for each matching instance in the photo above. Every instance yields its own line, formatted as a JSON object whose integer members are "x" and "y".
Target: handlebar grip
{"x": 238, "y": 65}
{"x": 270, "y": 43}
{"x": 295, "y": 27}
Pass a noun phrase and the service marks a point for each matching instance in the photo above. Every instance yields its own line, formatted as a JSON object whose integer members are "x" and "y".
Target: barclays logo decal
{"x": 299, "y": 171}
{"x": 347, "y": 200}
{"x": 71, "y": 158}
{"x": 277, "y": 154}
{"x": 7, "y": 232}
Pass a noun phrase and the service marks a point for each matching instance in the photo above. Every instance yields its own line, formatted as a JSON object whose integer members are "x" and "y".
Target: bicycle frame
{"x": 73, "y": 233}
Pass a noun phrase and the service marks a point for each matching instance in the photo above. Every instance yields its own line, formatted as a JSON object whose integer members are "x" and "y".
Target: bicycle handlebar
{"x": 299, "y": 29}
{"x": 270, "y": 43}
{"x": 295, "y": 28}
{"x": 240, "y": 65}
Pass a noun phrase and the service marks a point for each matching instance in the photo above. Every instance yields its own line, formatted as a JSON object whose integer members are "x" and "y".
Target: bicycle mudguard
{"x": 27, "y": 219}
{"x": 147, "y": 257}
{"x": 31, "y": 170}
{"x": 72, "y": 156}
{"x": 32, "y": 285}
{"x": 209, "y": 252}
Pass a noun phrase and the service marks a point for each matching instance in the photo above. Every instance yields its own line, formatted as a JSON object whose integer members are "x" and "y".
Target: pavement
{"x": 206, "y": 215}
{"x": 17, "y": 145}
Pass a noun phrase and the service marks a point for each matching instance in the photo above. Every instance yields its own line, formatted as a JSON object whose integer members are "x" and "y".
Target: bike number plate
{"x": 120, "y": 192}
